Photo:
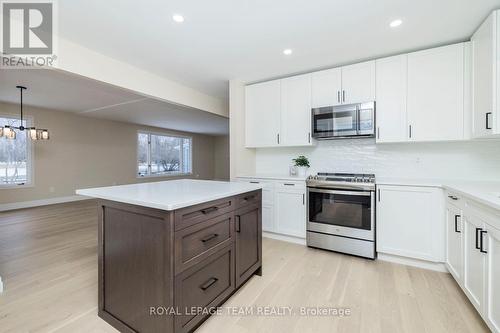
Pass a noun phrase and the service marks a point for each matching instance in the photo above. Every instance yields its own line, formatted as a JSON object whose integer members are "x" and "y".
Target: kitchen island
{"x": 170, "y": 252}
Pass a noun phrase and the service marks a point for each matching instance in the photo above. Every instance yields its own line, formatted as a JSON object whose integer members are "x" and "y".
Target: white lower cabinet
{"x": 479, "y": 256}
{"x": 410, "y": 222}
{"x": 493, "y": 279}
{"x": 474, "y": 264}
{"x": 283, "y": 206}
{"x": 454, "y": 242}
{"x": 290, "y": 211}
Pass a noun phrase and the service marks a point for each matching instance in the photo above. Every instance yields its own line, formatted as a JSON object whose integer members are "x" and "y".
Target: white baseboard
{"x": 42, "y": 202}
{"x": 285, "y": 238}
{"x": 433, "y": 266}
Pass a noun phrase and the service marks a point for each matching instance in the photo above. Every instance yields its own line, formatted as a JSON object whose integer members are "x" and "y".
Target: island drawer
{"x": 250, "y": 198}
{"x": 189, "y": 216}
{"x": 199, "y": 241}
{"x": 203, "y": 287}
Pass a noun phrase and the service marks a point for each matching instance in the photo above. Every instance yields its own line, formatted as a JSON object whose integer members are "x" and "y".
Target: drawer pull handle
{"x": 288, "y": 184}
{"x": 452, "y": 197}
{"x": 209, "y": 238}
{"x": 481, "y": 240}
{"x": 209, "y": 210}
{"x": 478, "y": 230}
{"x": 250, "y": 197}
{"x": 456, "y": 224}
{"x": 210, "y": 282}
{"x": 238, "y": 223}
{"x": 253, "y": 182}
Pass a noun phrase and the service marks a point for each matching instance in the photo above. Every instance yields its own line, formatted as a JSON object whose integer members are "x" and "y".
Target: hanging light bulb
{"x": 8, "y": 132}
{"x": 32, "y": 133}
{"x": 42, "y": 134}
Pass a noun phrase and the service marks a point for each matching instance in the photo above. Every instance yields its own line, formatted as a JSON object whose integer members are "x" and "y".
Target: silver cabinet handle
{"x": 338, "y": 96}
{"x": 488, "y": 114}
{"x": 309, "y": 137}
{"x": 278, "y": 137}
{"x": 409, "y": 128}
{"x": 378, "y": 132}
{"x": 343, "y": 95}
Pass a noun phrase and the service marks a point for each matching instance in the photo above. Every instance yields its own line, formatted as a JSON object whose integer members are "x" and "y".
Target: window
{"x": 15, "y": 156}
{"x": 159, "y": 155}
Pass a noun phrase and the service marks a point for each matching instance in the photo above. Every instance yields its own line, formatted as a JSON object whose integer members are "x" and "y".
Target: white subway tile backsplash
{"x": 471, "y": 160}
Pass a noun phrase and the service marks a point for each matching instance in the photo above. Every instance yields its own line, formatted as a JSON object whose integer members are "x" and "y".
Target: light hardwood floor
{"x": 48, "y": 260}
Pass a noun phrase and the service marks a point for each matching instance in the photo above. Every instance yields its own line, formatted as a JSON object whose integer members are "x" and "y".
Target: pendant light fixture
{"x": 33, "y": 133}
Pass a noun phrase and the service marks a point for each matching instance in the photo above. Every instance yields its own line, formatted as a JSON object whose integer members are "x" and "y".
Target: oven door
{"x": 341, "y": 212}
{"x": 335, "y": 121}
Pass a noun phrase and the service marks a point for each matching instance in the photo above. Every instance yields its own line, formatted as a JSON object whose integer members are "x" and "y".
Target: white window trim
{"x": 165, "y": 174}
{"x": 30, "y": 164}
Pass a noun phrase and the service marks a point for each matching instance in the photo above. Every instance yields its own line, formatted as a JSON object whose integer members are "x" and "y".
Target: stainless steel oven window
{"x": 350, "y": 209}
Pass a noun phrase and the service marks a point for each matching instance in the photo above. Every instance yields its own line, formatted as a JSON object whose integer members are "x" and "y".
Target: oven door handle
{"x": 317, "y": 190}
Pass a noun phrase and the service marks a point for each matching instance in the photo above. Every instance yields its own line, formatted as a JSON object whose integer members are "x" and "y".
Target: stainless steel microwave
{"x": 344, "y": 121}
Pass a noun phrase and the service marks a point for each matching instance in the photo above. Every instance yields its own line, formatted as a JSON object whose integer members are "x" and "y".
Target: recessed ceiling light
{"x": 396, "y": 23}
{"x": 178, "y": 18}
{"x": 287, "y": 51}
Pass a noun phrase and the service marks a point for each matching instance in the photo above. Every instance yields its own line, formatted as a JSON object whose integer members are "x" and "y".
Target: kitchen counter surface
{"x": 170, "y": 195}
{"x": 273, "y": 176}
{"x": 485, "y": 192}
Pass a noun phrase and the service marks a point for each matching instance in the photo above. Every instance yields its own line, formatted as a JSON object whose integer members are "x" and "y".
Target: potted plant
{"x": 302, "y": 163}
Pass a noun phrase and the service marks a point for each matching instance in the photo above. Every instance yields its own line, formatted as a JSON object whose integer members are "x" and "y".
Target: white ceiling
{"x": 71, "y": 93}
{"x": 227, "y": 39}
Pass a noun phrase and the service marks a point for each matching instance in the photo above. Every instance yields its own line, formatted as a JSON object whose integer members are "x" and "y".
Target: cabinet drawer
{"x": 250, "y": 198}
{"x": 290, "y": 185}
{"x": 205, "y": 285}
{"x": 199, "y": 241}
{"x": 199, "y": 213}
{"x": 454, "y": 199}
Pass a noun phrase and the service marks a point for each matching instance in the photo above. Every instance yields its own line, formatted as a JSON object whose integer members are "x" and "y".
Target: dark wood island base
{"x": 161, "y": 271}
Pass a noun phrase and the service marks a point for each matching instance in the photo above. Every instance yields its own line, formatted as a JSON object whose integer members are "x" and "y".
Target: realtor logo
{"x": 28, "y": 31}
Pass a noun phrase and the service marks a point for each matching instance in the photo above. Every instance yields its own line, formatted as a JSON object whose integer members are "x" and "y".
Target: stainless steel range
{"x": 341, "y": 213}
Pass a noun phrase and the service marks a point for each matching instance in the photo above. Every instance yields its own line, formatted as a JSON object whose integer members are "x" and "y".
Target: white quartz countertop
{"x": 485, "y": 192}
{"x": 273, "y": 176}
{"x": 170, "y": 195}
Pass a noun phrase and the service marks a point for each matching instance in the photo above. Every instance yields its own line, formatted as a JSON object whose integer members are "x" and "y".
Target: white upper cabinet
{"x": 391, "y": 99}
{"x": 484, "y": 77}
{"x": 358, "y": 83}
{"x": 326, "y": 87}
{"x": 435, "y": 101}
{"x": 262, "y": 114}
{"x": 295, "y": 111}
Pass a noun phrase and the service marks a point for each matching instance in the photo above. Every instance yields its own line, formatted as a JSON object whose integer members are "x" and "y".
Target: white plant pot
{"x": 301, "y": 171}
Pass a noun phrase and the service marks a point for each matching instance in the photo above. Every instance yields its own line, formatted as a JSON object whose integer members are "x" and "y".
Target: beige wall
{"x": 87, "y": 152}
{"x": 242, "y": 159}
{"x": 221, "y": 157}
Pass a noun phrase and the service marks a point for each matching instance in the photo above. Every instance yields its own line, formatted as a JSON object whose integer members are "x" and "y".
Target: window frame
{"x": 167, "y": 173}
{"x": 30, "y": 162}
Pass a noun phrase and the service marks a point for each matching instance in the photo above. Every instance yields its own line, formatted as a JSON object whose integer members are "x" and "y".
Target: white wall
{"x": 446, "y": 160}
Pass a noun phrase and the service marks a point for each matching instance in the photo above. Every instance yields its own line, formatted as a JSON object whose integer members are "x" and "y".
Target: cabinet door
{"x": 410, "y": 222}
{"x": 474, "y": 266}
{"x": 295, "y": 111}
{"x": 391, "y": 99}
{"x": 483, "y": 76}
{"x": 454, "y": 247}
{"x": 493, "y": 279}
{"x": 262, "y": 114}
{"x": 268, "y": 218}
{"x": 326, "y": 87}
{"x": 290, "y": 212}
{"x": 436, "y": 94}
{"x": 358, "y": 83}
{"x": 248, "y": 232}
